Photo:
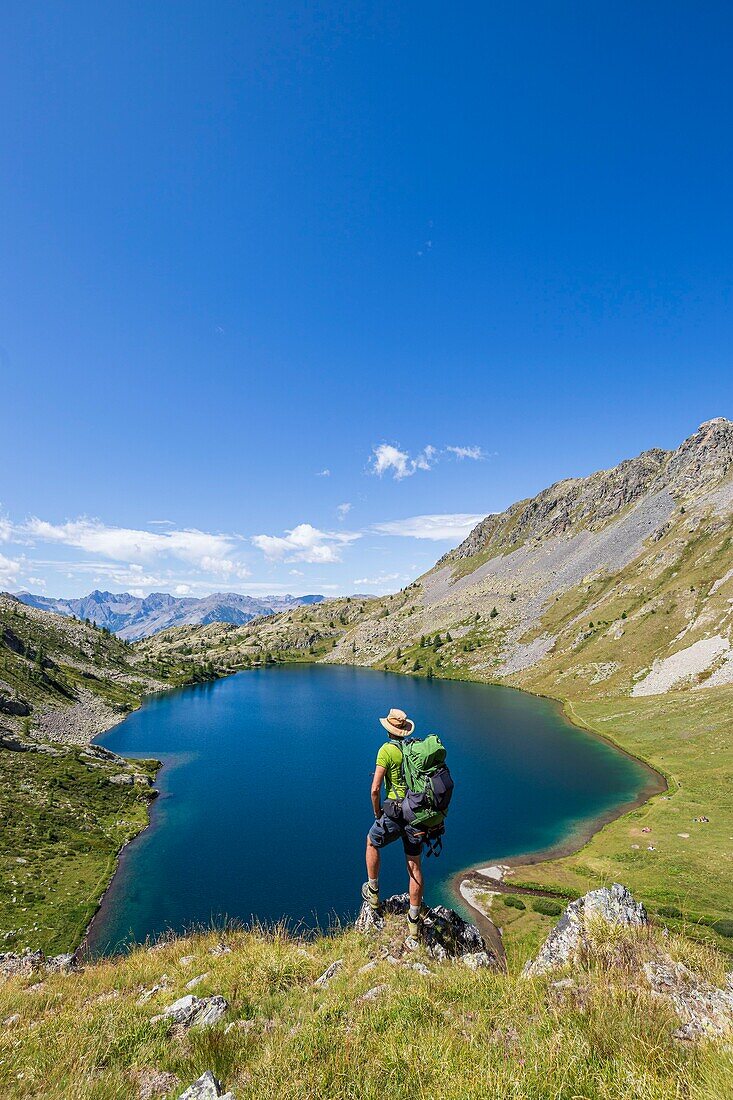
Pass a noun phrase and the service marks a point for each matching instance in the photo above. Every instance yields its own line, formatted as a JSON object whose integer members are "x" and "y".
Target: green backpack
{"x": 428, "y": 781}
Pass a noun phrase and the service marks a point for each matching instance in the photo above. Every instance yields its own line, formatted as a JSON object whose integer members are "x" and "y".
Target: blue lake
{"x": 265, "y": 802}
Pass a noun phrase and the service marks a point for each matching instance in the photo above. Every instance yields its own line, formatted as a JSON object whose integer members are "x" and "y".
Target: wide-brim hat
{"x": 397, "y": 724}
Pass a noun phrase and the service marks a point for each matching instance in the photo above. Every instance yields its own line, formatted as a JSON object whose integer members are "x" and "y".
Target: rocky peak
{"x": 703, "y": 460}
{"x": 698, "y": 465}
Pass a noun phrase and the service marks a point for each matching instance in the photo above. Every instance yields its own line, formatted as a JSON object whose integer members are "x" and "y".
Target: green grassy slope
{"x": 62, "y": 823}
{"x": 688, "y": 738}
{"x": 451, "y": 1035}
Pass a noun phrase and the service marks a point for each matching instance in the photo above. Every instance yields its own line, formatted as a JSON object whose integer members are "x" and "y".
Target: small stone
{"x": 220, "y": 949}
{"x": 420, "y": 968}
{"x": 372, "y": 994}
{"x": 241, "y": 1025}
{"x": 186, "y": 960}
{"x": 11, "y": 1021}
{"x": 369, "y": 966}
{"x": 206, "y": 1088}
{"x": 196, "y": 981}
{"x": 323, "y": 981}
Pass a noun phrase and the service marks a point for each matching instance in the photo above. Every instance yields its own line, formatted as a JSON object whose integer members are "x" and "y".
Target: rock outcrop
{"x": 445, "y": 935}
{"x": 706, "y": 1011}
{"x": 190, "y": 1011}
{"x": 207, "y": 1087}
{"x": 570, "y": 936}
{"x": 32, "y": 962}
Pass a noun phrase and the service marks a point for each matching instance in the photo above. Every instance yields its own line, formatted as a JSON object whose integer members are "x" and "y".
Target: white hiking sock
{"x": 374, "y": 885}
{"x": 414, "y": 912}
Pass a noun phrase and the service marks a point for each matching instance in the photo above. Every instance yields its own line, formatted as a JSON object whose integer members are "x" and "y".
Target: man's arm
{"x": 376, "y": 789}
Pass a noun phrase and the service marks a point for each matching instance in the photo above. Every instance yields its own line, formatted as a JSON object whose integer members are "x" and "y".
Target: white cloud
{"x": 386, "y": 457}
{"x": 305, "y": 543}
{"x": 296, "y": 572}
{"x": 9, "y": 569}
{"x": 182, "y": 590}
{"x": 382, "y": 579}
{"x": 467, "y": 452}
{"x": 199, "y": 548}
{"x": 161, "y": 523}
{"x": 453, "y": 526}
{"x": 343, "y": 510}
{"x": 324, "y": 473}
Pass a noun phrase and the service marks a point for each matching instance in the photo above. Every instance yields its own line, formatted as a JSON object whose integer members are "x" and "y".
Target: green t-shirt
{"x": 390, "y": 757}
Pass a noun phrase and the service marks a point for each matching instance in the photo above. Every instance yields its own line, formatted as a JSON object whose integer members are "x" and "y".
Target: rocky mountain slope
{"x": 68, "y": 680}
{"x": 133, "y": 617}
{"x": 613, "y": 584}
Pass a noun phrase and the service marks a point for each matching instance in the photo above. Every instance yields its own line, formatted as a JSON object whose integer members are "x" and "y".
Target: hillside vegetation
{"x": 65, "y": 810}
{"x": 377, "y": 1028}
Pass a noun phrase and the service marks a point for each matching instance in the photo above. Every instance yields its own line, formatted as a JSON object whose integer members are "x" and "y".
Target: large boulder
{"x": 569, "y": 937}
{"x": 445, "y": 934}
{"x": 705, "y": 1010}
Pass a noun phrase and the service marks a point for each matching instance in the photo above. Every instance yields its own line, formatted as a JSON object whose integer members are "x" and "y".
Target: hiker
{"x": 388, "y": 824}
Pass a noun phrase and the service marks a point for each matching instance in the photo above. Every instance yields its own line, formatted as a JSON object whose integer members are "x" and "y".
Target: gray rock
{"x": 190, "y": 1011}
{"x": 476, "y": 960}
{"x": 705, "y": 1010}
{"x": 61, "y": 964}
{"x": 616, "y": 906}
{"x": 23, "y": 965}
{"x": 445, "y": 935}
{"x": 374, "y": 992}
{"x": 328, "y": 973}
{"x": 122, "y": 780}
{"x": 206, "y": 1088}
{"x": 197, "y": 980}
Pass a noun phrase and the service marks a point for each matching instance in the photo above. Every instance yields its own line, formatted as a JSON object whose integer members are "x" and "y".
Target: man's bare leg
{"x": 417, "y": 883}
{"x": 373, "y": 860}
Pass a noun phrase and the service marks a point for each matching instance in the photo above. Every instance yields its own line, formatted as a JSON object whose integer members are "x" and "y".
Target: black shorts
{"x": 385, "y": 830}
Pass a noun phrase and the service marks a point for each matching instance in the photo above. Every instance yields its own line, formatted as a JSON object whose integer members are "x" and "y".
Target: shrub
{"x": 670, "y": 911}
{"x": 723, "y": 927}
{"x": 547, "y": 907}
{"x": 513, "y": 902}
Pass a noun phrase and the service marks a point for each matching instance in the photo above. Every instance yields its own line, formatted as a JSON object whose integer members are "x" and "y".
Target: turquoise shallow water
{"x": 265, "y": 793}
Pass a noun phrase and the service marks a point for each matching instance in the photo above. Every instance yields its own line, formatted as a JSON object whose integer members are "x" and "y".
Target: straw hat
{"x": 397, "y": 724}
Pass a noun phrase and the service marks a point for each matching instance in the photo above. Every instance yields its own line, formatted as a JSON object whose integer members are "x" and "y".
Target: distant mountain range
{"x": 133, "y": 617}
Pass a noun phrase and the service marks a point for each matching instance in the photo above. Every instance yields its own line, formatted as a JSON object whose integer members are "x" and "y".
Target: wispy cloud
{"x": 324, "y": 473}
{"x": 305, "y": 543}
{"x": 386, "y": 458}
{"x": 475, "y": 453}
{"x": 452, "y": 526}
{"x": 389, "y": 458}
{"x": 343, "y": 510}
{"x": 380, "y": 581}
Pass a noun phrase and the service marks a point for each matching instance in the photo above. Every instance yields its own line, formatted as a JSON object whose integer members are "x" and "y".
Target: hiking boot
{"x": 371, "y": 897}
{"x": 414, "y": 927}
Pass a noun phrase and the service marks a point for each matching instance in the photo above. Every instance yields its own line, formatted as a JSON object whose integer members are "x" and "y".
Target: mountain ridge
{"x": 133, "y": 617}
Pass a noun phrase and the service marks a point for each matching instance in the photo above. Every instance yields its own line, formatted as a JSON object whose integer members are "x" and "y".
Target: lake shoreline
{"x": 656, "y": 784}
{"x": 571, "y": 843}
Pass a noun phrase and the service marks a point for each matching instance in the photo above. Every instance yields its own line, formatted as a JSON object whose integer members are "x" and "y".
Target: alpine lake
{"x": 264, "y": 794}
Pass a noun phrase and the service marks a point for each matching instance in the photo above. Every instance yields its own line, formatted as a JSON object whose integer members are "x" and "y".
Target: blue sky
{"x": 260, "y": 262}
